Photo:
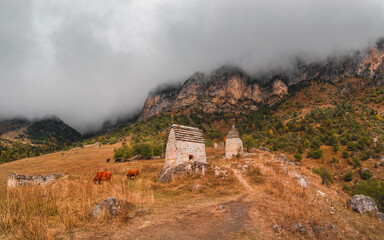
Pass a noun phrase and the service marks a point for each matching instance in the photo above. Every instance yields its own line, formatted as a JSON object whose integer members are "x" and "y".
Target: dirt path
{"x": 213, "y": 220}
{"x": 242, "y": 180}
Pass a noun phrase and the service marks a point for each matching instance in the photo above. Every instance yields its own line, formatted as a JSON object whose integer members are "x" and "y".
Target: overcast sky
{"x": 88, "y": 61}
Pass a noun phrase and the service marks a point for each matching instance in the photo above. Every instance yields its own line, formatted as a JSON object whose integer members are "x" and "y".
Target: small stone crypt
{"x": 185, "y": 144}
{"x": 185, "y": 153}
{"x": 233, "y": 144}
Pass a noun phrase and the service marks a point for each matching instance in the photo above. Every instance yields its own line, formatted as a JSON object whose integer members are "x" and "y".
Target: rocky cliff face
{"x": 230, "y": 89}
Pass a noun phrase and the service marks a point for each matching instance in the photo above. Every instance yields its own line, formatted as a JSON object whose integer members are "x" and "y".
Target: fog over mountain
{"x": 89, "y": 61}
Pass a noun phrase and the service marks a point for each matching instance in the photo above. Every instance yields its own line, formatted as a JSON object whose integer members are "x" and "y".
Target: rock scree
{"x": 362, "y": 204}
{"x": 15, "y": 179}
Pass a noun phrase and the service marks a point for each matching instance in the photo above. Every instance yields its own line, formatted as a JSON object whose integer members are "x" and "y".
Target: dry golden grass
{"x": 61, "y": 210}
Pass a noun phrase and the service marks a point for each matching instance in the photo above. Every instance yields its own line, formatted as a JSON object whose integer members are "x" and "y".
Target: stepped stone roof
{"x": 188, "y": 134}
{"x": 233, "y": 133}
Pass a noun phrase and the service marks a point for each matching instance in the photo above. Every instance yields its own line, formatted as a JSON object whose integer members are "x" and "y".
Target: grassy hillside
{"x": 21, "y": 138}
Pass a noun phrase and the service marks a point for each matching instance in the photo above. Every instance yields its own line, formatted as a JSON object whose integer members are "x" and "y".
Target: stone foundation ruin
{"x": 15, "y": 179}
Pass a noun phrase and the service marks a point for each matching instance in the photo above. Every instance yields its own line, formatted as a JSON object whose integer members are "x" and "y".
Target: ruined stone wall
{"x": 171, "y": 151}
{"x": 184, "y": 149}
{"x": 232, "y": 147}
{"x": 15, "y": 179}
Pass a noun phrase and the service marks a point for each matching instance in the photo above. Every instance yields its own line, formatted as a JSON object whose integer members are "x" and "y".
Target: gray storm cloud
{"x": 88, "y": 61}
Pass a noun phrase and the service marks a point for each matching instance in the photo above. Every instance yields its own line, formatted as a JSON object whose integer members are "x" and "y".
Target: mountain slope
{"x": 24, "y": 138}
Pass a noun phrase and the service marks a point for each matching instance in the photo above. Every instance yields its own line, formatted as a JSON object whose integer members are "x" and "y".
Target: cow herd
{"x": 106, "y": 176}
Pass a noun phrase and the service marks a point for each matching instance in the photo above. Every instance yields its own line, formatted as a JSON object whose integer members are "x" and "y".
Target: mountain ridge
{"x": 230, "y": 89}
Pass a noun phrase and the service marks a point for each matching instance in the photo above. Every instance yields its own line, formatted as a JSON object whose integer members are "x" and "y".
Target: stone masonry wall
{"x": 171, "y": 151}
{"x": 184, "y": 149}
{"x": 232, "y": 147}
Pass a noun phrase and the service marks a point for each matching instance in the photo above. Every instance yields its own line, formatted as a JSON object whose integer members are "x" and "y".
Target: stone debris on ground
{"x": 15, "y": 179}
{"x": 220, "y": 172}
{"x": 111, "y": 205}
{"x": 303, "y": 181}
{"x": 168, "y": 172}
{"x": 275, "y": 228}
{"x": 244, "y": 168}
{"x": 317, "y": 229}
{"x": 283, "y": 157}
{"x": 321, "y": 193}
{"x": 299, "y": 227}
{"x": 362, "y": 204}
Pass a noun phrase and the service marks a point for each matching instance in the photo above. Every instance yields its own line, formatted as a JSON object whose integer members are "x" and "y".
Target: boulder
{"x": 380, "y": 216}
{"x": 177, "y": 170}
{"x": 15, "y": 179}
{"x": 304, "y": 182}
{"x": 362, "y": 204}
{"x": 111, "y": 205}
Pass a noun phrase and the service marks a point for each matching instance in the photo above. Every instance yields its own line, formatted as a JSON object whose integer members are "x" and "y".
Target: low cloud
{"x": 89, "y": 61}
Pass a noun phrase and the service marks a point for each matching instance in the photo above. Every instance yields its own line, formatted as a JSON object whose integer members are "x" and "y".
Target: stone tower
{"x": 185, "y": 144}
{"x": 233, "y": 144}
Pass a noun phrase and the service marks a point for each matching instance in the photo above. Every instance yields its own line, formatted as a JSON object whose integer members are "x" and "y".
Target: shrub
{"x": 371, "y": 188}
{"x": 348, "y": 176}
{"x": 335, "y": 148}
{"x": 316, "y": 143}
{"x": 351, "y": 146}
{"x": 317, "y": 154}
{"x": 364, "y": 156}
{"x": 365, "y": 174}
{"x": 347, "y": 188}
{"x": 345, "y": 154}
{"x": 325, "y": 174}
{"x": 356, "y": 162}
{"x": 344, "y": 141}
{"x": 298, "y": 156}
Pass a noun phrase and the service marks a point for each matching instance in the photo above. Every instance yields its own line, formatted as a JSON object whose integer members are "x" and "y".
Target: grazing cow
{"x": 118, "y": 160}
{"x": 108, "y": 160}
{"x": 133, "y": 172}
{"x": 102, "y": 176}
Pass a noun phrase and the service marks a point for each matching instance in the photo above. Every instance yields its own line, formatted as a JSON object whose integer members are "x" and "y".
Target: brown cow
{"x": 133, "y": 172}
{"x": 102, "y": 176}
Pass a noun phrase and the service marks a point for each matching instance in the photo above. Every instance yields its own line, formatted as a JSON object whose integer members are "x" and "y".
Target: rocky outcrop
{"x": 177, "y": 170}
{"x": 230, "y": 89}
{"x": 15, "y": 179}
{"x": 362, "y": 204}
{"x": 220, "y": 92}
